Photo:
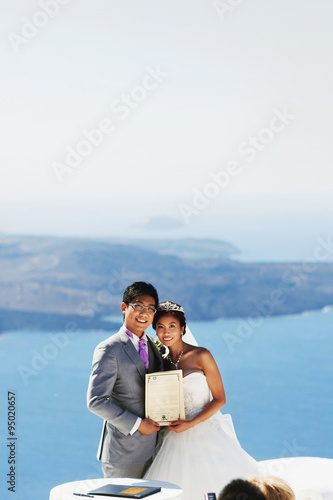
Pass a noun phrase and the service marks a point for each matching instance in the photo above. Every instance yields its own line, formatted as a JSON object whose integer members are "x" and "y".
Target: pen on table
{"x": 83, "y": 495}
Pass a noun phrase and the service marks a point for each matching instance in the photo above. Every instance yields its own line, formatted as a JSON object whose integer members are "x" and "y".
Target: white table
{"x": 65, "y": 491}
{"x": 311, "y": 478}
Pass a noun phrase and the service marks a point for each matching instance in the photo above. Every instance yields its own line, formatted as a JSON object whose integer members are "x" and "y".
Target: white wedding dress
{"x": 207, "y": 456}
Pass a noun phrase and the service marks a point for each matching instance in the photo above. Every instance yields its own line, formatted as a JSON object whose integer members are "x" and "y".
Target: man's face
{"x": 138, "y": 321}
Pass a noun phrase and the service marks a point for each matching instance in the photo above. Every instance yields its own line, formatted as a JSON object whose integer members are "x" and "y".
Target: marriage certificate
{"x": 165, "y": 396}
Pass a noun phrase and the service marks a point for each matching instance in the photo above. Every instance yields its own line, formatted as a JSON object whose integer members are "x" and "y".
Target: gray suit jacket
{"x": 116, "y": 392}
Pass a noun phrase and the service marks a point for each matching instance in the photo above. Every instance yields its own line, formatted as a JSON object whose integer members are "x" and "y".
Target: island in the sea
{"x": 47, "y": 282}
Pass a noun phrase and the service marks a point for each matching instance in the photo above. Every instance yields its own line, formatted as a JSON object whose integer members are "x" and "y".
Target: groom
{"x": 116, "y": 390}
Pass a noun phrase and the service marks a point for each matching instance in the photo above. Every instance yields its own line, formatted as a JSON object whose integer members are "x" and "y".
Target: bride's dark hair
{"x": 172, "y": 308}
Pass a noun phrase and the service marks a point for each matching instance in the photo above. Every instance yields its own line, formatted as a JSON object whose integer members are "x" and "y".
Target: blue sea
{"x": 277, "y": 375}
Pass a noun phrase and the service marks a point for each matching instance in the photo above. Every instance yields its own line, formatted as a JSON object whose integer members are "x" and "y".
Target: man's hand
{"x": 148, "y": 426}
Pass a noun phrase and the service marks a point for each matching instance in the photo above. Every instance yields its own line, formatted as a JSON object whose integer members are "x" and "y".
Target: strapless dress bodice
{"x": 196, "y": 393}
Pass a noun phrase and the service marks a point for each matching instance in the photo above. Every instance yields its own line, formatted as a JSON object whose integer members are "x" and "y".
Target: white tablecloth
{"x": 311, "y": 479}
{"x": 65, "y": 491}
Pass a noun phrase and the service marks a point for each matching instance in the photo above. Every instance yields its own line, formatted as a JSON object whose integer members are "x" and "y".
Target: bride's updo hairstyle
{"x": 169, "y": 307}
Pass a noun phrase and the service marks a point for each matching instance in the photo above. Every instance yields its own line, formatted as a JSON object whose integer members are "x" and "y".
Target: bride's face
{"x": 168, "y": 330}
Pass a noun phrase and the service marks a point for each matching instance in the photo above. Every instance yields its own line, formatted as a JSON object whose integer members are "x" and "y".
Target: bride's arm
{"x": 214, "y": 380}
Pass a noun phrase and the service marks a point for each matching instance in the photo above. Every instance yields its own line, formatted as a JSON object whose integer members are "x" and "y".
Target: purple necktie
{"x": 143, "y": 352}
{"x": 142, "y": 349}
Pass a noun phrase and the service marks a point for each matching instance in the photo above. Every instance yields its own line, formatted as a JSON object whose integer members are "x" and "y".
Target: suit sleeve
{"x": 102, "y": 379}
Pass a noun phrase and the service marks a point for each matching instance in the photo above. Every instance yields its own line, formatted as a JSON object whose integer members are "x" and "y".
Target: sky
{"x": 216, "y": 114}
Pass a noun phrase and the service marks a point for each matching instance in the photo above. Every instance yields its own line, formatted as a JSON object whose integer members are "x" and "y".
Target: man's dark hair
{"x": 240, "y": 489}
{"x": 140, "y": 288}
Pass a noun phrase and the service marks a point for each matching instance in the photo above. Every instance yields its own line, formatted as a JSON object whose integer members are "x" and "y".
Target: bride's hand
{"x": 180, "y": 425}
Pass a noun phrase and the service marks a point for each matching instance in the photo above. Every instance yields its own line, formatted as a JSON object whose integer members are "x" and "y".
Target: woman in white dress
{"x": 201, "y": 453}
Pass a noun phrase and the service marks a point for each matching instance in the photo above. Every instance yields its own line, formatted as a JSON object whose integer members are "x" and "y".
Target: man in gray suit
{"x": 116, "y": 389}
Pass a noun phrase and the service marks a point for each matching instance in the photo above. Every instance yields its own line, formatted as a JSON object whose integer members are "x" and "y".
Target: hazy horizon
{"x": 117, "y": 112}
{"x": 258, "y": 234}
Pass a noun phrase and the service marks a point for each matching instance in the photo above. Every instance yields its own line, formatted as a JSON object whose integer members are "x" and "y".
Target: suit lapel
{"x": 132, "y": 353}
{"x": 155, "y": 359}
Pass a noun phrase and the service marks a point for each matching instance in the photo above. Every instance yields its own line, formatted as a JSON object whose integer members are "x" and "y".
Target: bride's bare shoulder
{"x": 198, "y": 351}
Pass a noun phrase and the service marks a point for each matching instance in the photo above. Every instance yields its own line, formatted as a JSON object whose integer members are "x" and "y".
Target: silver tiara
{"x": 169, "y": 306}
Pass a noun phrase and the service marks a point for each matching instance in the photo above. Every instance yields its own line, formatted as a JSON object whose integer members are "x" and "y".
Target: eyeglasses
{"x": 139, "y": 307}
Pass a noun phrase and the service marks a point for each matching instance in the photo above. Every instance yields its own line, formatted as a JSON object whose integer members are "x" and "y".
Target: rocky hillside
{"x": 47, "y": 282}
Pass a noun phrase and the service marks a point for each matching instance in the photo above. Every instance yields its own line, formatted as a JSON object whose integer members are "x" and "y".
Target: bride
{"x": 201, "y": 453}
